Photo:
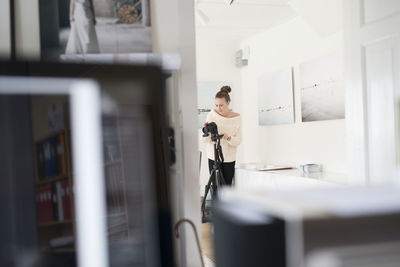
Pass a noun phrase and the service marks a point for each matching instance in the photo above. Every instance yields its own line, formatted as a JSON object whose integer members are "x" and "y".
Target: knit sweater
{"x": 230, "y": 126}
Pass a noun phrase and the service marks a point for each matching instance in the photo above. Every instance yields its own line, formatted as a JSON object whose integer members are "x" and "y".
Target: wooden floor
{"x": 207, "y": 241}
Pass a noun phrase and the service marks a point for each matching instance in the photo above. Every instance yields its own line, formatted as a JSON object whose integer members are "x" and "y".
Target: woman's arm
{"x": 72, "y": 10}
{"x": 236, "y": 138}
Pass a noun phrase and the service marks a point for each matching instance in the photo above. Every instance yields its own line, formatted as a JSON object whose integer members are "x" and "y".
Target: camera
{"x": 211, "y": 128}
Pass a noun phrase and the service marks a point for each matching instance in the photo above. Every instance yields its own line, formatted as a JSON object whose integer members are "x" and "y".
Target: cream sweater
{"x": 229, "y": 126}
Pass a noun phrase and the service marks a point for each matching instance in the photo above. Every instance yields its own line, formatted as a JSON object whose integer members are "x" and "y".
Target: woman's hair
{"x": 224, "y": 93}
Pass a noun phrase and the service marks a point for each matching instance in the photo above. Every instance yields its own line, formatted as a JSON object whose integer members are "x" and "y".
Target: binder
{"x": 66, "y": 200}
{"x": 61, "y": 153}
{"x": 47, "y": 159}
{"x": 47, "y": 204}
{"x": 55, "y": 156}
{"x": 54, "y": 202}
{"x": 41, "y": 161}
{"x": 60, "y": 206}
{"x": 39, "y": 204}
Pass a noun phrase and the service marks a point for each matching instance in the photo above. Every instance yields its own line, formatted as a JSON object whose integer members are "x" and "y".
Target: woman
{"x": 82, "y": 37}
{"x": 229, "y": 125}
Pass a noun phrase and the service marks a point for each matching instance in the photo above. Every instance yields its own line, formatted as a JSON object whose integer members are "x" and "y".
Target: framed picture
{"x": 80, "y": 27}
{"x": 322, "y": 88}
{"x": 206, "y": 92}
{"x": 275, "y": 98}
{"x": 7, "y": 46}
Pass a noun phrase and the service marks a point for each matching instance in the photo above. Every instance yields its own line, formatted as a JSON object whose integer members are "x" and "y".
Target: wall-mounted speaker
{"x": 242, "y": 57}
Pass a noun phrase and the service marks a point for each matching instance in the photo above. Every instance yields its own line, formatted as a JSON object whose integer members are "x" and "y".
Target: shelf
{"x": 51, "y": 135}
{"x": 116, "y": 214}
{"x": 57, "y": 250}
{"x": 111, "y": 162}
{"x": 113, "y": 232}
{"x": 51, "y": 180}
{"x": 62, "y": 250}
{"x": 55, "y": 223}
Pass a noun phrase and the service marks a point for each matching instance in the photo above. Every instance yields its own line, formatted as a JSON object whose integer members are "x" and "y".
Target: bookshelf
{"x": 117, "y": 217}
{"x": 54, "y": 187}
{"x": 54, "y": 193}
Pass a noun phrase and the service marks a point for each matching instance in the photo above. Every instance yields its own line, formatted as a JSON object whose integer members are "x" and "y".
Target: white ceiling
{"x": 220, "y": 20}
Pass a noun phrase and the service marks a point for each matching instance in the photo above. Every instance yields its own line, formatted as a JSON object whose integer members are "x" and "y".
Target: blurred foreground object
{"x": 335, "y": 227}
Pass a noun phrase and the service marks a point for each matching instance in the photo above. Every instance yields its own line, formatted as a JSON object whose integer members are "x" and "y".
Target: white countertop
{"x": 322, "y": 176}
{"x": 285, "y": 179}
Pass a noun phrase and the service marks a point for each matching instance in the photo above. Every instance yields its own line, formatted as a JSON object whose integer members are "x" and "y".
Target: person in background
{"x": 229, "y": 125}
{"x": 82, "y": 37}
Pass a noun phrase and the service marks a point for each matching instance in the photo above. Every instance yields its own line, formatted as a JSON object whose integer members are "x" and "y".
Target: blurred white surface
{"x": 291, "y": 179}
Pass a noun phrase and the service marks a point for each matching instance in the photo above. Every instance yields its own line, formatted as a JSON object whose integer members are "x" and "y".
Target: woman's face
{"x": 221, "y": 106}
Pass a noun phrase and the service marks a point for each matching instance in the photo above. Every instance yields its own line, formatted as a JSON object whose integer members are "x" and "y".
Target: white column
{"x": 173, "y": 31}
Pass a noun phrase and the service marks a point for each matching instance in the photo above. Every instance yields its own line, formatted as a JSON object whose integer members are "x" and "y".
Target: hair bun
{"x": 226, "y": 88}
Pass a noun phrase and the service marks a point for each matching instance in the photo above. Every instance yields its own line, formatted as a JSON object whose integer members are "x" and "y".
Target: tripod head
{"x": 211, "y": 128}
{"x": 216, "y": 138}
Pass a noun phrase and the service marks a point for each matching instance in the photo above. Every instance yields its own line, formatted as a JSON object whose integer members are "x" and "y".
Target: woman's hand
{"x": 72, "y": 19}
{"x": 94, "y": 21}
{"x": 225, "y": 136}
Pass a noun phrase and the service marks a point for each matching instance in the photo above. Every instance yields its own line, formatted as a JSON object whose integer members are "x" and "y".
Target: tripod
{"x": 216, "y": 177}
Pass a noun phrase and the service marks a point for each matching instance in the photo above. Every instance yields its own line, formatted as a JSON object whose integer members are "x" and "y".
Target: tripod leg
{"x": 203, "y": 204}
{"x": 214, "y": 186}
{"x": 214, "y": 190}
{"x": 220, "y": 179}
{"x": 210, "y": 181}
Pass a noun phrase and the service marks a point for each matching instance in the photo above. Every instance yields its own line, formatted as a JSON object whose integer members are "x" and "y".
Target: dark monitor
{"x": 37, "y": 173}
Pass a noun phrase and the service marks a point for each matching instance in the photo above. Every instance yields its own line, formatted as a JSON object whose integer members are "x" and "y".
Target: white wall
{"x": 322, "y": 142}
{"x": 216, "y": 62}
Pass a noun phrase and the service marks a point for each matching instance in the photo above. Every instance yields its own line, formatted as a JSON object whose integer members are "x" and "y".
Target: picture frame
{"x": 7, "y": 46}
{"x": 275, "y": 98}
{"x": 322, "y": 88}
{"x": 93, "y": 27}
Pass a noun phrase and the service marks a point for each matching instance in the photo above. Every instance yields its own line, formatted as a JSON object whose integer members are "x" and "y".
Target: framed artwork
{"x": 76, "y": 27}
{"x": 7, "y": 30}
{"x": 206, "y": 92}
{"x": 322, "y": 88}
{"x": 275, "y": 98}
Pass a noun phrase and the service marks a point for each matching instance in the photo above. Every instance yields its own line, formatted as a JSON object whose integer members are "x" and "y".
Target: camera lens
{"x": 205, "y": 130}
